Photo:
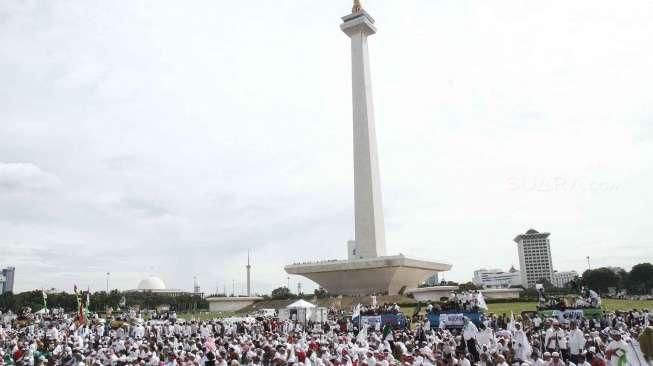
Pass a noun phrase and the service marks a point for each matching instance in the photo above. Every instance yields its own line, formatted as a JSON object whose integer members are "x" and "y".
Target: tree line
{"x": 638, "y": 281}
{"x": 99, "y": 301}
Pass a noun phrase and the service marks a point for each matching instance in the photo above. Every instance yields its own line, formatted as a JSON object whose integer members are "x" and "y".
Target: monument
{"x": 367, "y": 269}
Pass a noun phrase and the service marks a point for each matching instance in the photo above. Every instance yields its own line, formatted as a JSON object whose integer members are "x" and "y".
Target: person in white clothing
{"x": 469, "y": 336}
{"x": 521, "y": 344}
{"x": 576, "y": 342}
{"x": 617, "y": 350}
{"x": 582, "y": 360}
{"x": 555, "y": 340}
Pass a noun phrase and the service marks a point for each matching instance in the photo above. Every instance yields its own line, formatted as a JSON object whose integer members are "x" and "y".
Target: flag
{"x": 357, "y": 311}
{"x": 362, "y": 335}
{"x": 634, "y": 353}
{"x": 511, "y": 324}
{"x": 480, "y": 300}
{"x": 387, "y": 333}
{"x": 418, "y": 307}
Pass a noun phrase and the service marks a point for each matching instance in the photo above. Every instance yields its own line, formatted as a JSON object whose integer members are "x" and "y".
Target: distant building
{"x": 496, "y": 278}
{"x": 7, "y": 280}
{"x": 560, "y": 279}
{"x": 433, "y": 280}
{"x": 156, "y": 285}
{"x": 534, "y": 257}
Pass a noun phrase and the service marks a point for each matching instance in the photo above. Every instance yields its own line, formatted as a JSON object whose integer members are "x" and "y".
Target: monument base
{"x": 432, "y": 293}
{"x": 235, "y": 303}
{"x": 388, "y": 274}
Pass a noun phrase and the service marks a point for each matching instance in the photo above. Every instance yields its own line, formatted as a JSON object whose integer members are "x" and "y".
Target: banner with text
{"x": 452, "y": 320}
{"x": 371, "y": 321}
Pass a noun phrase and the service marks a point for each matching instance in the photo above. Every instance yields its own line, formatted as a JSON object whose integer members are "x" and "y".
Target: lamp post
{"x": 108, "y": 282}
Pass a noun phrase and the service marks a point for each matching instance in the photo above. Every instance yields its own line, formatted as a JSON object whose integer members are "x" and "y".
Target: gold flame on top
{"x": 357, "y": 6}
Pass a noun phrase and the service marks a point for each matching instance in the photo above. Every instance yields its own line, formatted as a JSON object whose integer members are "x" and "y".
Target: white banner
{"x": 569, "y": 314}
{"x": 371, "y": 321}
{"x": 451, "y": 320}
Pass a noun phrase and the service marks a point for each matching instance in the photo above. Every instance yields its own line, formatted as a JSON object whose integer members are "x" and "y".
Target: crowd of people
{"x": 466, "y": 301}
{"x": 587, "y": 299}
{"x": 168, "y": 341}
{"x": 385, "y": 308}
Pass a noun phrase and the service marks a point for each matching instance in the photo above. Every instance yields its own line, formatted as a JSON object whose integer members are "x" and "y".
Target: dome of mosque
{"x": 532, "y": 231}
{"x": 151, "y": 283}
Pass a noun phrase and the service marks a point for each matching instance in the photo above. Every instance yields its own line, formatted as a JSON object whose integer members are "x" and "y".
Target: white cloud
{"x": 169, "y": 139}
{"x": 25, "y": 177}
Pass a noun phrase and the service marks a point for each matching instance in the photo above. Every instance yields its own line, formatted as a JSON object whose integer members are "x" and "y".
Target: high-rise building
{"x": 7, "y": 280}
{"x": 496, "y": 278}
{"x": 534, "y": 257}
{"x": 560, "y": 279}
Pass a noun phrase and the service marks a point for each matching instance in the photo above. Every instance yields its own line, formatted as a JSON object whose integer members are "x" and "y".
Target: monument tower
{"x": 368, "y": 210}
{"x": 249, "y": 279}
{"x": 368, "y": 268}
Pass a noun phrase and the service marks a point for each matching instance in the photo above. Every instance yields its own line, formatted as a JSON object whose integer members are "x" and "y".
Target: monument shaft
{"x": 369, "y": 225}
{"x": 368, "y": 269}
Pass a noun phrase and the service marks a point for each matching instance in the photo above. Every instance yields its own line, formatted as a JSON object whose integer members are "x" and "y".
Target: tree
{"x": 320, "y": 293}
{"x": 468, "y": 286}
{"x": 640, "y": 278}
{"x": 600, "y": 279}
{"x": 546, "y": 283}
{"x": 623, "y": 278}
{"x": 281, "y": 293}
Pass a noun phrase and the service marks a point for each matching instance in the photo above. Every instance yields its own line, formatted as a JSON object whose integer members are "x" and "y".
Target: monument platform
{"x": 234, "y": 303}
{"x": 387, "y": 274}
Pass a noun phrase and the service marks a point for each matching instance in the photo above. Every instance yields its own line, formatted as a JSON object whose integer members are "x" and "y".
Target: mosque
{"x": 154, "y": 284}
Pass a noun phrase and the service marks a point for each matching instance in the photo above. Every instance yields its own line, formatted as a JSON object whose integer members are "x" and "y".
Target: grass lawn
{"x": 518, "y": 307}
{"x": 498, "y": 308}
{"x": 204, "y": 315}
{"x": 608, "y": 304}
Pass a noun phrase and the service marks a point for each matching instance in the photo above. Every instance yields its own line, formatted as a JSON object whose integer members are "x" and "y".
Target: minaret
{"x": 249, "y": 284}
{"x": 196, "y": 286}
{"x": 369, "y": 229}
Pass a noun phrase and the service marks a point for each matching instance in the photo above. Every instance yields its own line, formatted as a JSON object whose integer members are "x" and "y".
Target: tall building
{"x": 496, "y": 278}
{"x": 7, "y": 280}
{"x": 560, "y": 279}
{"x": 534, "y": 257}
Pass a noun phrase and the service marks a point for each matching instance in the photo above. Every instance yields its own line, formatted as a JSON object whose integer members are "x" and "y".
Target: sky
{"x": 169, "y": 138}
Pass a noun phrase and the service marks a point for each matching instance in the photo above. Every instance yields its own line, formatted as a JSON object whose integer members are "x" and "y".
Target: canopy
{"x": 300, "y": 304}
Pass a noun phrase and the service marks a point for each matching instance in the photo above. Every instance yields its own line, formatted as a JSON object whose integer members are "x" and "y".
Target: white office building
{"x": 534, "y": 257}
{"x": 560, "y": 279}
{"x": 496, "y": 278}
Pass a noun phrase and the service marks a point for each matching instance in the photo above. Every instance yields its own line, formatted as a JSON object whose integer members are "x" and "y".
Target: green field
{"x": 497, "y": 308}
{"x": 608, "y": 304}
{"x": 204, "y": 315}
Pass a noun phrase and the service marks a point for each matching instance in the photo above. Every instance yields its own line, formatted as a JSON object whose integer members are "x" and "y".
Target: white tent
{"x": 300, "y": 311}
{"x": 300, "y": 304}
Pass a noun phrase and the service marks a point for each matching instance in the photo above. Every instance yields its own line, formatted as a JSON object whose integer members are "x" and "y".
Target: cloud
{"x": 25, "y": 178}
{"x": 169, "y": 140}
